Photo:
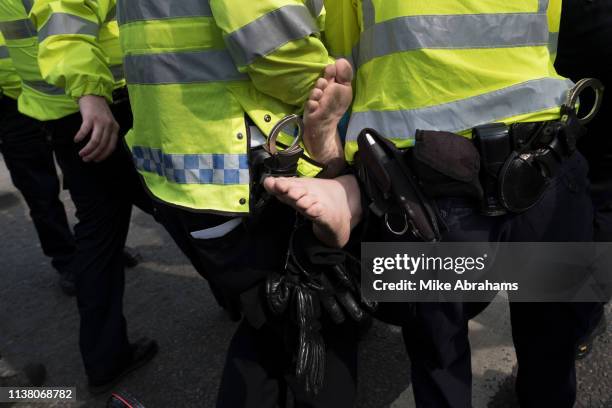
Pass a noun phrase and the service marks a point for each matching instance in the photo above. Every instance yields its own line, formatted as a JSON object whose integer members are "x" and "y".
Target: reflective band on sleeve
{"x": 269, "y": 32}
{"x": 452, "y": 31}
{"x": 27, "y": 5}
{"x": 193, "y": 168}
{"x": 117, "y": 71}
{"x": 18, "y": 29}
{"x": 4, "y": 52}
{"x": 531, "y": 96}
{"x": 553, "y": 41}
{"x": 181, "y": 68}
{"x": 136, "y": 10}
{"x": 62, "y": 23}
{"x": 315, "y": 7}
{"x": 44, "y": 87}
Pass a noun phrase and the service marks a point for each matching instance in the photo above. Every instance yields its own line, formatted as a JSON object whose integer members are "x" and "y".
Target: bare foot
{"x": 333, "y": 205}
{"x": 327, "y": 103}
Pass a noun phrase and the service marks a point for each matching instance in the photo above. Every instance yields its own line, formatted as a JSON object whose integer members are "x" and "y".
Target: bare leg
{"x": 328, "y": 102}
{"x": 334, "y": 206}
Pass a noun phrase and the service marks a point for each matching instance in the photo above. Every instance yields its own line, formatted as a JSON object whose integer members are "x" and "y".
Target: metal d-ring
{"x": 398, "y": 233}
{"x": 280, "y": 125}
{"x": 574, "y": 94}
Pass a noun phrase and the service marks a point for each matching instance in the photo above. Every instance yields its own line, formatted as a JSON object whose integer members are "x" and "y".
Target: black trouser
{"x": 258, "y": 366}
{"x": 591, "y": 313}
{"x": 258, "y": 370}
{"x": 102, "y": 194}
{"x": 544, "y": 334}
{"x": 29, "y": 158}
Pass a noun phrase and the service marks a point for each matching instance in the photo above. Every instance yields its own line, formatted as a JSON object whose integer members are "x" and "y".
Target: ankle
{"x": 353, "y": 197}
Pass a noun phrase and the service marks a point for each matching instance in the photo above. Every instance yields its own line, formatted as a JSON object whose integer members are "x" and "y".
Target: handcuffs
{"x": 268, "y": 161}
{"x": 573, "y": 99}
{"x": 527, "y": 172}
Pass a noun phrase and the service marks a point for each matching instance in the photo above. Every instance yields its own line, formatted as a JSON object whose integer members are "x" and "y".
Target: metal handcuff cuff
{"x": 531, "y": 166}
{"x": 315, "y": 278}
{"x": 268, "y": 161}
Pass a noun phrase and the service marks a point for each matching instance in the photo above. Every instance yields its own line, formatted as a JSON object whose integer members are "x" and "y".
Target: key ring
{"x": 574, "y": 94}
{"x": 280, "y": 125}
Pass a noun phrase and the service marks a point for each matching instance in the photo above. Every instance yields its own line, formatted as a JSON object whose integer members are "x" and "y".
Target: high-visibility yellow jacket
{"x": 38, "y": 99}
{"x": 554, "y": 23}
{"x": 195, "y": 70}
{"x": 445, "y": 65}
{"x": 91, "y": 66}
{"x": 10, "y": 84}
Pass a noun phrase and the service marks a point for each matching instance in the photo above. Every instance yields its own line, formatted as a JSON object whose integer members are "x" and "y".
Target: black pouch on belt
{"x": 535, "y": 160}
{"x": 392, "y": 187}
{"x": 446, "y": 164}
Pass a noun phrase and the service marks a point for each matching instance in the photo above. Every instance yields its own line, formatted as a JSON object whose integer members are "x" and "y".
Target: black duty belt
{"x": 518, "y": 161}
{"x": 507, "y": 168}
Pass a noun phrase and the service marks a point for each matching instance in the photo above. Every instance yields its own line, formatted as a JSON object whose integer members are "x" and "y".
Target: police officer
{"x": 99, "y": 177}
{"x": 207, "y": 80}
{"x": 455, "y": 67}
{"x": 29, "y": 159}
{"x": 583, "y": 51}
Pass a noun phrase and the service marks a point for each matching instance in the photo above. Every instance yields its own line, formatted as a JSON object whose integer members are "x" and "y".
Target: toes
{"x": 322, "y": 83}
{"x": 277, "y": 185}
{"x": 312, "y": 106}
{"x": 295, "y": 193}
{"x": 330, "y": 71}
{"x": 314, "y": 211}
{"x": 344, "y": 71}
{"x": 316, "y": 94}
{"x": 270, "y": 184}
{"x": 307, "y": 201}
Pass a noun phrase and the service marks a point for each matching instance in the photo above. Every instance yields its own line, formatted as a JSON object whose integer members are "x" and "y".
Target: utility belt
{"x": 503, "y": 168}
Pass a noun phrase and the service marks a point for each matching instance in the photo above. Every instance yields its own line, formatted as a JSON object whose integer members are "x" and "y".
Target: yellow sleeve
{"x": 69, "y": 54}
{"x": 554, "y": 21}
{"x": 10, "y": 84}
{"x": 342, "y": 27}
{"x": 276, "y": 42}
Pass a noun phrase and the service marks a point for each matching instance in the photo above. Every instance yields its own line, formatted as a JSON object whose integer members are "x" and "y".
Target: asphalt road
{"x": 166, "y": 300}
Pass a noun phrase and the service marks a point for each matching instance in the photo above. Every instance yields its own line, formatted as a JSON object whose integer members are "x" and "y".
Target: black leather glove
{"x": 316, "y": 279}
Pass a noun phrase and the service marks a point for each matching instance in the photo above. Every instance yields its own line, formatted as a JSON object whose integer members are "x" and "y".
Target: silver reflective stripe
{"x": 181, "y": 67}
{"x": 452, "y": 31}
{"x": 531, "y": 96}
{"x": 542, "y": 6}
{"x": 27, "y": 5}
{"x": 117, "y": 71}
{"x": 18, "y": 29}
{"x": 43, "y": 87}
{"x": 4, "y": 52}
{"x": 315, "y": 7}
{"x": 269, "y": 32}
{"x": 141, "y": 10}
{"x": 369, "y": 13}
{"x": 62, "y": 23}
{"x": 553, "y": 41}
{"x": 222, "y": 169}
